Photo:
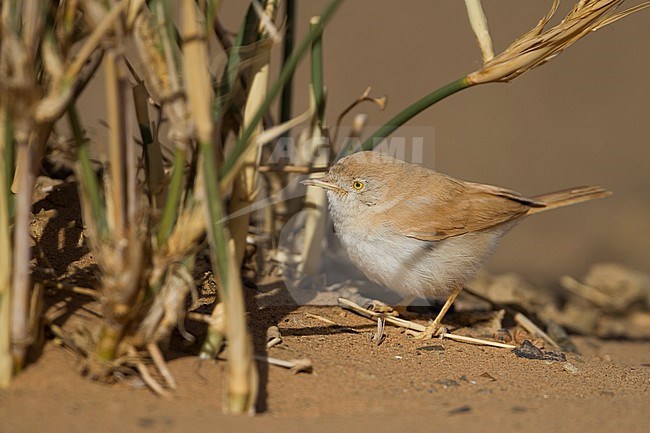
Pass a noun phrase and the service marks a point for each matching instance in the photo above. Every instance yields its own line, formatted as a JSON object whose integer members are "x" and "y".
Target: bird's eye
{"x": 358, "y": 185}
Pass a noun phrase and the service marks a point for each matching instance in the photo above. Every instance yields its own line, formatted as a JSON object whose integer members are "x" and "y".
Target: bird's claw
{"x": 432, "y": 330}
{"x": 380, "y": 307}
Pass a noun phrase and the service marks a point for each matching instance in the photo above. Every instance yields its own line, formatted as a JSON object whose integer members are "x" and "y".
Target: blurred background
{"x": 583, "y": 118}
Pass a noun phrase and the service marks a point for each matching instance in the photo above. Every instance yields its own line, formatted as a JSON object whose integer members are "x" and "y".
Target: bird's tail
{"x": 566, "y": 197}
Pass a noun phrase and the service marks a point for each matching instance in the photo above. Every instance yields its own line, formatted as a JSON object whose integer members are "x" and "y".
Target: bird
{"x": 422, "y": 233}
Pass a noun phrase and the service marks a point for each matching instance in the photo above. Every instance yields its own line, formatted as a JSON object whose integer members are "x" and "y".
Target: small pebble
{"x": 530, "y": 351}
{"x": 447, "y": 383}
{"x": 570, "y": 368}
{"x": 146, "y": 422}
{"x": 488, "y": 376}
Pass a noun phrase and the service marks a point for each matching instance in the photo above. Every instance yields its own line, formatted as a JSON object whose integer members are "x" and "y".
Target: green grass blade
{"x": 247, "y": 35}
{"x": 317, "y": 71}
{"x": 174, "y": 193}
{"x": 407, "y": 114}
{"x": 289, "y": 40}
{"x": 88, "y": 179}
{"x": 232, "y": 162}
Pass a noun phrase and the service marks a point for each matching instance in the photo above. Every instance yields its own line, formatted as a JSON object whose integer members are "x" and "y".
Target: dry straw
{"x": 534, "y": 48}
{"x": 539, "y": 45}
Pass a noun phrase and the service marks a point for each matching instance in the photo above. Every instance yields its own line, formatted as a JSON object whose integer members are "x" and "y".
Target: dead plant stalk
{"x": 242, "y": 372}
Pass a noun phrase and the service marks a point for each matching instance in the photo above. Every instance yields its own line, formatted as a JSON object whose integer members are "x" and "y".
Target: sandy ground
{"x": 401, "y": 385}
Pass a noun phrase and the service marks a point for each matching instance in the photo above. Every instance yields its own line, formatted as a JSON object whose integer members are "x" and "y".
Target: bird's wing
{"x": 457, "y": 208}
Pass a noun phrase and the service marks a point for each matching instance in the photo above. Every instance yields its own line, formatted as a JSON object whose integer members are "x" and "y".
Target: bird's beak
{"x": 323, "y": 183}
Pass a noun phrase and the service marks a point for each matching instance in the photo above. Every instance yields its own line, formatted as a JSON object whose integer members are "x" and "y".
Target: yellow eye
{"x": 358, "y": 185}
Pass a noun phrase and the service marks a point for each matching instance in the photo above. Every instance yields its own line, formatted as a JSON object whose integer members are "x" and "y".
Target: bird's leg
{"x": 432, "y": 328}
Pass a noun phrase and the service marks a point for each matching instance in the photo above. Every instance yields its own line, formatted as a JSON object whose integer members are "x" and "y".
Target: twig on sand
{"x": 295, "y": 365}
{"x": 161, "y": 365}
{"x": 379, "y": 335}
{"x": 416, "y": 326}
{"x": 521, "y": 319}
{"x": 478, "y": 341}
{"x": 145, "y": 374}
{"x": 534, "y": 330}
{"x": 198, "y": 317}
{"x": 331, "y": 322}
{"x": 52, "y": 284}
{"x": 273, "y": 337}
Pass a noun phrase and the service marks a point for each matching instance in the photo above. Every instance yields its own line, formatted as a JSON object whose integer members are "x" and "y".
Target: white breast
{"x": 414, "y": 267}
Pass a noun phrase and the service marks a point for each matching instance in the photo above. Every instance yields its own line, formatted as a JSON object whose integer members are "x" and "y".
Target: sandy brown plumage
{"x": 420, "y": 232}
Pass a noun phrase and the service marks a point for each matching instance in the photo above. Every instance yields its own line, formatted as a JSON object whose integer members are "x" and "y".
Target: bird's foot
{"x": 432, "y": 330}
{"x": 380, "y": 307}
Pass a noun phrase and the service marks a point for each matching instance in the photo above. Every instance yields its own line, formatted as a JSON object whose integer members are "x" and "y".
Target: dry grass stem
{"x": 242, "y": 371}
{"x": 6, "y": 363}
{"x": 534, "y": 330}
{"x": 479, "y": 25}
{"x": 166, "y": 311}
{"x": 214, "y": 341}
{"x": 477, "y": 341}
{"x": 607, "y": 301}
{"x": 245, "y": 185}
{"x": 270, "y": 134}
{"x": 538, "y": 46}
{"x": 242, "y": 378}
{"x": 133, "y": 11}
{"x": 18, "y": 94}
{"x": 86, "y": 291}
{"x": 116, "y": 146}
{"x": 21, "y": 273}
{"x": 349, "y": 305}
{"x": 315, "y": 224}
{"x": 365, "y": 97}
{"x": 122, "y": 265}
{"x": 379, "y": 335}
{"x": 159, "y": 361}
{"x": 273, "y": 336}
{"x": 331, "y": 322}
{"x": 96, "y": 38}
{"x": 148, "y": 379}
{"x": 162, "y": 79}
{"x": 315, "y": 204}
{"x": 198, "y": 317}
{"x": 416, "y": 326}
{"x": 295, "y": 365}
{"x": 55, "y": 311}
